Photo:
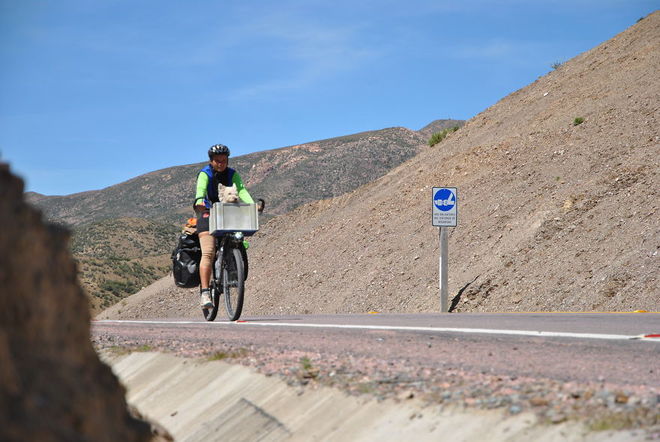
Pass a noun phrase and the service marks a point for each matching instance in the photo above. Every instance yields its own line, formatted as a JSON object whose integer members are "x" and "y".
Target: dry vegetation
{"x": 116, "y": 258}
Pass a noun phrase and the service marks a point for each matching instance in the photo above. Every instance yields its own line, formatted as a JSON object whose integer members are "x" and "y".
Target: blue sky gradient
{"x": 95, "y": 93}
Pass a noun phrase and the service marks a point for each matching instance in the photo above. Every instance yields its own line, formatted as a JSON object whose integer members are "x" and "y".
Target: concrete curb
{"x": 216, "y": 401}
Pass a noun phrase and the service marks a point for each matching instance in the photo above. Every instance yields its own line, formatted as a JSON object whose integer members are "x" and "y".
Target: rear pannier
{"x": 185, "y": 261}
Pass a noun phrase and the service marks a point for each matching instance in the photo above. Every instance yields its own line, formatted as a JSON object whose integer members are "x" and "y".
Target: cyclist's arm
{"x": 242, "y": 192}
{"x": 202, "y": 185}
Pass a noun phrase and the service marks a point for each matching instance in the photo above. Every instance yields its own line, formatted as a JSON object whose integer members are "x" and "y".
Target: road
{"x": 628, "y": 324}
{"x": 568, "y": 347}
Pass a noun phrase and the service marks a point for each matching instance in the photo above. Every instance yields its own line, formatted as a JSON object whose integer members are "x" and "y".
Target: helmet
{"x": 218, "y": 149}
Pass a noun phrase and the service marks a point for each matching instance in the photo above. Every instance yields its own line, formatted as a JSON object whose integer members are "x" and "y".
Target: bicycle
{"x": 230, "y": 265}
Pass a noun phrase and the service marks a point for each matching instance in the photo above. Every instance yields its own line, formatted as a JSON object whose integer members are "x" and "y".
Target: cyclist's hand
{"x": 199, "y": 208}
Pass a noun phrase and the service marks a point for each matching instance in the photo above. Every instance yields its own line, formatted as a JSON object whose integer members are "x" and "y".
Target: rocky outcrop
{"x": 52, "y": 384}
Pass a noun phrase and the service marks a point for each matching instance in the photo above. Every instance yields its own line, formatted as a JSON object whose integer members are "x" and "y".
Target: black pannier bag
{"x": 185, "y": 261}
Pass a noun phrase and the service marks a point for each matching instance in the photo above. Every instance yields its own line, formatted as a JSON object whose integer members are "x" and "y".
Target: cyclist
{"x": 216, "y": 172}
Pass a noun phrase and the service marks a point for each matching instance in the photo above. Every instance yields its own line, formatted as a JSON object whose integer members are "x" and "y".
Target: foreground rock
{"x": 52, "y": 384}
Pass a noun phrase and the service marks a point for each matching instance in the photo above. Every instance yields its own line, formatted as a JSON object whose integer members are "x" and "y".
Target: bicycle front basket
{"x": 234, "y": 217}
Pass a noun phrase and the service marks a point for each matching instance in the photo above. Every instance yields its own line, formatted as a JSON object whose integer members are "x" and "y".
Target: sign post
{"x": 445, "y": 214}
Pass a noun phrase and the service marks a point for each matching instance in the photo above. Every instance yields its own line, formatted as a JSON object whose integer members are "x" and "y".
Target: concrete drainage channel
{"x": 215, "y": 401}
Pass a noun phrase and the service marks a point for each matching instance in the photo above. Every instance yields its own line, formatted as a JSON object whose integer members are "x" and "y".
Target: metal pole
{"x": 444, "y": 270}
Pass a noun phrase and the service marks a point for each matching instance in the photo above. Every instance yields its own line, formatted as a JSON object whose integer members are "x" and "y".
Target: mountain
{"x": 557, "y": 207}
{"x": 34, "y": 197}
{"x": 286, "y": 178}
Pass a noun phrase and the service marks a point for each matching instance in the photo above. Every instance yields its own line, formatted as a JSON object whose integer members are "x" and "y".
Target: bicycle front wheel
{"x": 233, "y": 283}
{"x": 210, "y": 313}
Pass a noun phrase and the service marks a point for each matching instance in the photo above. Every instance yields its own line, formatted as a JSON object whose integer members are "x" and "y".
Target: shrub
{"x": 308, "y": 371}
{"x": 118, "y": 288}
{"x": 306, "y": 363}
{"x": 439, "y": 136}
{"x": 556, "y": 65}
{"x": 578, "y": 120}
{"x": 233, "y": 354}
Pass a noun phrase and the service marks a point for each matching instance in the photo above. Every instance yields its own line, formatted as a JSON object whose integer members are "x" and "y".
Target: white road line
{"x": 545, "y": 334}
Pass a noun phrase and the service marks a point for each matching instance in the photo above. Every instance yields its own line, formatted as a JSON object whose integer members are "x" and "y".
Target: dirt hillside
{"x": 554, "y": 214}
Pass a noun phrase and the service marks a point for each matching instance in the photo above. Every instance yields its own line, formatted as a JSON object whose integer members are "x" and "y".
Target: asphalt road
{"x": 565, "y": 347}
{"x": 630, "y": 324}
{"x": 624, "y": 324}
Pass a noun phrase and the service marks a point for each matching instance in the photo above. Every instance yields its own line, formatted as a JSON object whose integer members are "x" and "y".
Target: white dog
{"x": 228, "y": 194}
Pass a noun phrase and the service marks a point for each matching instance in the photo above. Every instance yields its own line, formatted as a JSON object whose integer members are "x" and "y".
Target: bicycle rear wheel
{"x": 233, "y": 283}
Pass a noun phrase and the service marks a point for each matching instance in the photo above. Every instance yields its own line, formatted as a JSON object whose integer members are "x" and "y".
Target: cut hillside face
{"x": 52, "y": 384}
{"x": 552, "y": 215}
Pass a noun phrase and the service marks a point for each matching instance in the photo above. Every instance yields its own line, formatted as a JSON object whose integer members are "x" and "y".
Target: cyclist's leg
{"x": 207, "y": 243}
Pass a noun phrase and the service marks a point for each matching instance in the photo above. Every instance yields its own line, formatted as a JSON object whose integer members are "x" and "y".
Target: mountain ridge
{"x": 166, "y": 195}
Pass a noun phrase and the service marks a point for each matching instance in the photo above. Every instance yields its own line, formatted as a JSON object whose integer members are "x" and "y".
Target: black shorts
{"x": 203, "y": 221}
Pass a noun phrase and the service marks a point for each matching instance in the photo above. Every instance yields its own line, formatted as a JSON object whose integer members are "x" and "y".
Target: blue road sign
{"x": 445, "y": 207}
{"x": 444, "y": 199}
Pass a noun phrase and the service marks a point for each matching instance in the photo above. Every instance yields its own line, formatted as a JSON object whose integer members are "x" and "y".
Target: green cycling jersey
{"x": 203, "y": 182}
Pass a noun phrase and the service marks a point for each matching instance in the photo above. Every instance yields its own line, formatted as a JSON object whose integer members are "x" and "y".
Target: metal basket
{"x": 233, "y": 217}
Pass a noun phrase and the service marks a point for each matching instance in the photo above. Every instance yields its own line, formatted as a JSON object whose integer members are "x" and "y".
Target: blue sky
{"x": 93, "y": 93}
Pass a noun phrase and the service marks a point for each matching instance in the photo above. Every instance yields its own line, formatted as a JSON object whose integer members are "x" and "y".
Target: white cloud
{"x": 298, "y": 51}
{"x": 519, "y": 53}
